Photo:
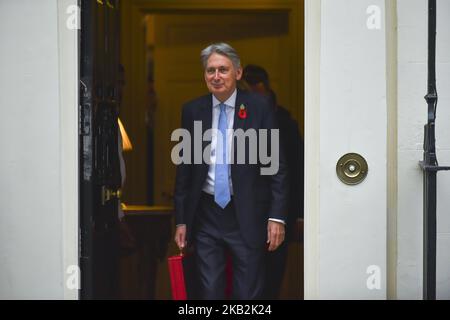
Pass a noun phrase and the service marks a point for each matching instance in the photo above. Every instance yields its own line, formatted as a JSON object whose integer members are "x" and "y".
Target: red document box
{"x": 177, "y": 281}
{"x": 184, "y": 280}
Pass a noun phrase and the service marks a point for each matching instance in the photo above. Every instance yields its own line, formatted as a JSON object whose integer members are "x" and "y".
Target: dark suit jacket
{"x": 256, "y": 197}
{"x": 292, "y": 144}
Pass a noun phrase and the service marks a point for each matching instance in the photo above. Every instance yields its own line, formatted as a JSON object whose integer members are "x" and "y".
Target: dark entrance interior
{"x": 134, "y": 55}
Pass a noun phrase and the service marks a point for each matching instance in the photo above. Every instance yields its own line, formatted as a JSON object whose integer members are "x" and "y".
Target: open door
{"x": 99, "y": 162}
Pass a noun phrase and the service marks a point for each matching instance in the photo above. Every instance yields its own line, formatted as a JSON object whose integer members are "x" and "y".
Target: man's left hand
{"x": 275, "y": 234}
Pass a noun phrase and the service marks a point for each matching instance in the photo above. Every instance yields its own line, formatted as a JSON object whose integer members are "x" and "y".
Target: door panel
{"x": 99, "y": 163}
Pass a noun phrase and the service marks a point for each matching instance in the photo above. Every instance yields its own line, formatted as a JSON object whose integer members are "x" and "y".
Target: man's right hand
{"x": 180, "y": 236}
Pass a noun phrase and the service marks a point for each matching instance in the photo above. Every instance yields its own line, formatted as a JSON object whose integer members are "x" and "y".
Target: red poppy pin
{"x": 242, "y": 112}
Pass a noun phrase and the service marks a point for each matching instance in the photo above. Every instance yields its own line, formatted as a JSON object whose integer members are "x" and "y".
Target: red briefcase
{"x": 183, "y": 278}
{"x": 177, "y": 281}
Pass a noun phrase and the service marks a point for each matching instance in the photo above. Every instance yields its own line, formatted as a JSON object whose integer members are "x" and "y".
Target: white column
{"x": 347, "y": 228}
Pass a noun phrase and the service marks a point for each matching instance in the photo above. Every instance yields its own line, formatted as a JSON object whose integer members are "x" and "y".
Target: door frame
{"x": 132, "y": 35}
{"x": 69, "y": 62}
{"x": 312, "y": 148}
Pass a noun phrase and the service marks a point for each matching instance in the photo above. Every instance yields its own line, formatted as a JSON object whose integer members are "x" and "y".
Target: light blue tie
{"x": 221, "y": 184}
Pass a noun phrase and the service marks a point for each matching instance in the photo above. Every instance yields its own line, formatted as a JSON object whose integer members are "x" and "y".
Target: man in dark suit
{"x": 256, "y": 79}
{"x": 222, "y": 204}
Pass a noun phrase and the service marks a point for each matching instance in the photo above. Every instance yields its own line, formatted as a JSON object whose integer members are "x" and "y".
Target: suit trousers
{"x": 217, "y": 233}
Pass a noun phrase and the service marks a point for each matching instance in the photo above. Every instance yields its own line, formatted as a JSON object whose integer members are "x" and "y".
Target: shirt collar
{"x": 230, "y": 102}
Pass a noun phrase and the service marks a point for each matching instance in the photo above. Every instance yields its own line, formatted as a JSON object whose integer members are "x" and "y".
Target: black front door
{"x": 99, "y": 162}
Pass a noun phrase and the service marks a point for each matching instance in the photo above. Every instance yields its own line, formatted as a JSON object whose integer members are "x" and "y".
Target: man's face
{"x": 221, "y": 76}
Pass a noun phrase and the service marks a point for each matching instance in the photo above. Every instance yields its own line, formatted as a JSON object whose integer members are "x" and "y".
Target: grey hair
{"x": 223, "y": 49}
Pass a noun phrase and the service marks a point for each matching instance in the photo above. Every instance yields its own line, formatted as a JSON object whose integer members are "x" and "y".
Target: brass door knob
{"x": 108, "y": 194}
{"x": 117, "y": 194}
{"x": 352, "y": 168}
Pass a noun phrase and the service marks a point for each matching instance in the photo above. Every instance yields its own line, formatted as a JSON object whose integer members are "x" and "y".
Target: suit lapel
{"x": 206, "y": 117}
{"x": 238, "y": 122}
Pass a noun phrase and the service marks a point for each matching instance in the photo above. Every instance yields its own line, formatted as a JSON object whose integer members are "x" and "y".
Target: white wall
{"x": 412, "y": 108}
{"x": 38, "y": 141}
{"x": 353, "y": 118}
